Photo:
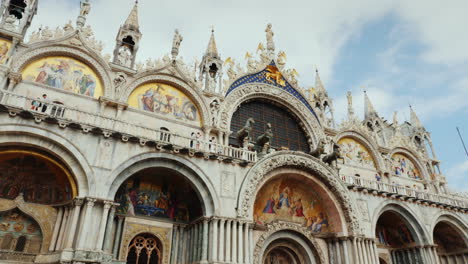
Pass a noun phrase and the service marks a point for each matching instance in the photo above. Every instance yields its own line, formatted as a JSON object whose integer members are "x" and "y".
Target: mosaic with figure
{"x": 448, "y": 239}
{"x": 64, "y": 73}
{"x": 17, "y": 224}
{"x": 403, "y": 166}
{"x": 40, "y": 180}
{"x": 164, "y": 99}
{"x": 391, "y": 231}
{"x": 355, "y": 154}
{"x": 5, "y": 47}
{"x": 159, "y": 193}
{"x": 289, "y": 199}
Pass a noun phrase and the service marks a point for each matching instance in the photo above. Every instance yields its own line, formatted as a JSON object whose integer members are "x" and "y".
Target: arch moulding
{"x": 261, "y": 172}
{"x": 366, "y": 142}
{"x": 453, "y": 220}
{"x": 150, "y": 77}
{"x": 24, "y": 58}
{"x": 292, "y": 230}
{"x": 245, "y": 92}
{"x": 200, "y": 181}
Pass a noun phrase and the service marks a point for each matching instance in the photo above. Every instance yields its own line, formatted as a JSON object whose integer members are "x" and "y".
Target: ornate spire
{"x": 132, "y": 19}
{"x": 319, "y": 88}
{"x": 350, "y": 105}
{"x": 212, "y": 50}
{"x": 414, "y": 120}
{"x": 369, "y": 110}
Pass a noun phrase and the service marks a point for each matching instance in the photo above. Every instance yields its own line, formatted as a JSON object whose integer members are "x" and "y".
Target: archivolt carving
{"x": 44, "y": 215}
{"x": 22, "y": 59}
{"x": 249, "y": 91}
{"x": 367, "y": 141}
{"x": 285, "y": 226}
{"x": 134, "y": 229}
{"x": 194, "y": 94}
{"x": 260, "y": 171}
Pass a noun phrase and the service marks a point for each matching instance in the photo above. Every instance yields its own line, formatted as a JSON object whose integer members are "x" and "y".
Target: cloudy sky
{"x": 403, "y": 52}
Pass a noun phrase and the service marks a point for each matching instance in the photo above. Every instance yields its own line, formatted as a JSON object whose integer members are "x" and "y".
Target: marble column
{"x": 376, "y": 252}
{"x": 102, "y": 225}
{"x": 64, "y": 225}
{"x": 73, "y": 224}
{"x": 331, "y": 252}
{"x": 109, "y": 227}
{"x": 196, "y": 243}
{"x": 337, "y": 250}
{"x": 214, "y": 238}
{"x": 192, "y": 244}
{"x": 67, "y": 226}
{"x": 58, "y": 222}
{"x": 234, "y": 242}
{"x": 182, "y": 245}
{"x": 87, "y": 218}
{"x": 360, "y": 257}
{"x": 355, "y": 252}
{"x": 246, "y": 243}
{"x": 118, "y": 236}
{"x": 204, "y": 257}
{"x": 346, "y": 255}
{"x": 251, "y": 247}
{"x": 227, "y": 255}
{"x": 222, "y": 230}
{"x": 240, "y": 245}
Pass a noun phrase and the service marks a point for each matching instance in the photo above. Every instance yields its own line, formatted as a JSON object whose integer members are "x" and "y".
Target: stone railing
{"x": 71, "y": 116}
{"x": 404, "y": 193}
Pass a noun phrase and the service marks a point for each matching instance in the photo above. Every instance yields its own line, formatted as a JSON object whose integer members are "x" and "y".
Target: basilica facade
{"x": 107, "y": 160}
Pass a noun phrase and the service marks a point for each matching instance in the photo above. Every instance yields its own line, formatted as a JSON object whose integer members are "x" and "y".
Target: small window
{"x": 20, "y": 244}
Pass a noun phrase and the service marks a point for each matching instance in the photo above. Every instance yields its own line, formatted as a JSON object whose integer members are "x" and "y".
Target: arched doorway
{"x": 145, "y": 248}
{"x": 396, "y": 239}
{"x": 282, "y": 254}
{"x": 451, "y": 243}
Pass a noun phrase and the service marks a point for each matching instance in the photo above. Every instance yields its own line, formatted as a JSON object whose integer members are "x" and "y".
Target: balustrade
{"x": 67, "y": 115}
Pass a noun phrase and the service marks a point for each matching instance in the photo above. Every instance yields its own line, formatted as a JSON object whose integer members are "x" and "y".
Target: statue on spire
{"x": 269, "y": 37}
{"x": 85, "y": 7}
{"x": 350, "y": 105}
{"x": 176, "y": 44}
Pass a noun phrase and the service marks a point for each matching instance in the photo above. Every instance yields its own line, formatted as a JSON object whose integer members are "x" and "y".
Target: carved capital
{"x": 15, "y": 77}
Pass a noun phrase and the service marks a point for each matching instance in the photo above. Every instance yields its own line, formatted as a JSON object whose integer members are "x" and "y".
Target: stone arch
{"x": 149, "y": 77}
{"x": 415, "y": 158}
{"x": 61, "y": 148}
{"x": 265, "y": 169}
{"x": 96, "y": 63}
{"x": 246, "y": 92}
{"x": 417, "y": 230}
{"x": 165, "y": 242}
{"x": 44, "y": 216}
{"x": 311, "y": 250}
{"x": 199, "y": 180}
{"x": 367, "y": 142}
{"x": 456, "y": 224}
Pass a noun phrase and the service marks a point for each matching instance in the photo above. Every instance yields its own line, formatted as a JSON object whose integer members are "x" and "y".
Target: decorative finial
{"x": 349, "y": 95}
{"x": 176, "y": 44}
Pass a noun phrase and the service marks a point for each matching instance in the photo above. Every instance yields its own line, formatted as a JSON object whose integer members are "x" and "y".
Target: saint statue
{"x": 85, "y": 8}
{"x": 176, "y": 44}
{"x": 350, "y": 104}
{"x": 125, "y": 56}
{"x": 269, "y": 37}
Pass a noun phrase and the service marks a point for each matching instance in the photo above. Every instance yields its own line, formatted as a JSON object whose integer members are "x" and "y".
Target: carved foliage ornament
{"x": 260, "y": 173}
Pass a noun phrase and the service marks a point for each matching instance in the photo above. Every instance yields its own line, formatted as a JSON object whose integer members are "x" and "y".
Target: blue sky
{"x": 403, "y": 52}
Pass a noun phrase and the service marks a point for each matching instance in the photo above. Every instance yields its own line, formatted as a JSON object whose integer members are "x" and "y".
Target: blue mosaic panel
{"x": 261, "y": 77}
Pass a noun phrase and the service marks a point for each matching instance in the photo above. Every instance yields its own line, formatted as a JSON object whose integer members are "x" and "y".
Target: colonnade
{"x": 352, "y": 250}
{"x": 455, "y": 258}
{"x": 212, "y": 240}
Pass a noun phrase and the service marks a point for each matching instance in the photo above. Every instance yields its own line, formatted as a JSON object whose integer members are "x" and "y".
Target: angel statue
{"x": 269, "y": 37}
{"x": 85, "y": 8}
{"x": 176, "y": 44}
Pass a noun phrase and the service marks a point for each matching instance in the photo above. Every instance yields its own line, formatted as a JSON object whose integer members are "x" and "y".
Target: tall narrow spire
{"x": 132, "y": 19}
{"x": 414, "y": 120}
{"x": 212, "y": 50}
{"x": 369, "y": 110}
{"x": 319, "y": 88}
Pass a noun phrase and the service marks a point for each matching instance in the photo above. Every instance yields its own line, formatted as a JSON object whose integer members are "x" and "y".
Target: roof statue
{"x": 176, "y": 44}
{"x": 395, "y": 119}
{"x": 350, "y": 105}
{"x": 269, "y": 37}
{"x": 85, "y": 8}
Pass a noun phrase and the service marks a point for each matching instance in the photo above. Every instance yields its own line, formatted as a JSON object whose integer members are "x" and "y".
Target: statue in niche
{"x": 263, "y": 141}
{"x": 119, "y": 81}
{"x": 214, "y": 107}
{"x": 243, "y": 135}
{"x": 176, "y": 44}
{"x": 319, "y": 150}
{"x": 334, "y": 156}
{"x": 269, "y": 37}
{"x": 125, "y": 56}
{"x": 10, "y": 22}
{"x": 85, "y": 8}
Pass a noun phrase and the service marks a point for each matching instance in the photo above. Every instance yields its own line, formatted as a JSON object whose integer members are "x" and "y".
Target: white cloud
{"x": 457, "y": 176}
